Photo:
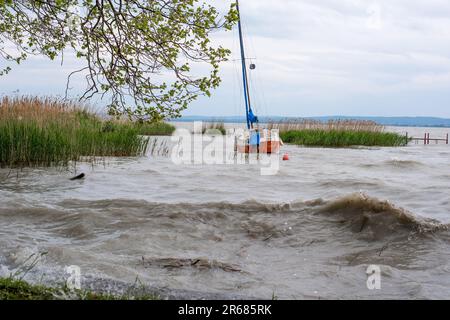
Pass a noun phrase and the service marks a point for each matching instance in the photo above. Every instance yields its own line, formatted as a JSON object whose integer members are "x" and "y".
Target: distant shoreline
{"x": 424, "y": 122}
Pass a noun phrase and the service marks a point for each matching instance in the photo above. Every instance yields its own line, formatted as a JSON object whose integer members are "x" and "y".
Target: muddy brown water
{"x": 308, "y": 232}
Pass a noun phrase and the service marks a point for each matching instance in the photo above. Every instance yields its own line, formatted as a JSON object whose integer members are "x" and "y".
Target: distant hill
{"x": 387, "y": 121}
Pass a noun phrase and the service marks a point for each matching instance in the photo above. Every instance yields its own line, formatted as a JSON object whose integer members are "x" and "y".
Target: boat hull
{"x": 265, "y": 147}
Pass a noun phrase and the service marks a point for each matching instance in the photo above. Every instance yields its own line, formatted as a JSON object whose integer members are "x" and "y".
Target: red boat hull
{"x": 266, "y": 147}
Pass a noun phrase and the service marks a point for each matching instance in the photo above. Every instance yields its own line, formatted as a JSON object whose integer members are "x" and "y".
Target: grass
{"x": 337, "y": 134}
{"x": 46, "y": 132}
{"x": 15, "y": 289}
{"x": 340, "y": 139}
{"x": 156, "y": 129}
{"x": 11, "y": 289}
{"x": 214, "y": 127}
{"x": 332, "y": 125}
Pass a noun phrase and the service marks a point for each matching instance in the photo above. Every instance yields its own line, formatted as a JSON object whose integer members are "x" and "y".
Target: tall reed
{"x": 214, "y": 127}
{"x": 340, "y": 139}
{"x": 46, "y": 131}
{"x": 332, "y": 125}
{"x": 337, "y": 133}
{"x": 156, "y": 129}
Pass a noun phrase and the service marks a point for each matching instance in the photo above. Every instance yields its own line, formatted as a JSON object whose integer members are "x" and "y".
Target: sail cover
{"x": 252, "y": 118}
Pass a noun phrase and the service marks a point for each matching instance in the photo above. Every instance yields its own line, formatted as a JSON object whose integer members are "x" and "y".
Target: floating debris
{"x": 202, "y": 264}
{"x": 78, "y": 177}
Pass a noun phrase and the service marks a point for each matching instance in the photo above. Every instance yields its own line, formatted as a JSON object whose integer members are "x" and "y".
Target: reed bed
{"x": 46, "y": 131}
{"x": 332, "y": 125}
{"x": 217, "y": 126}
{"x": 337, "y": 133}
{"x": 156, "y": 129}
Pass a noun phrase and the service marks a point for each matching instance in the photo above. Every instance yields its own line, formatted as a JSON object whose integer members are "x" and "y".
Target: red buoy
{"x": 285, "y": 157}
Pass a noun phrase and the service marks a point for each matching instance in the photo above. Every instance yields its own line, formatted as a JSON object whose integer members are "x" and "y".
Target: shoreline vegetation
{"x": 214, "y": 127}
{"x": 17, "y": 289}
{"x": 338, "y": 134}
{"x": 50, "y": 132}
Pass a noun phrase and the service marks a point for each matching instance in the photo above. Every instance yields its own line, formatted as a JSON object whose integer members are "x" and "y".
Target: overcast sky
{"x": 317, "y": 57}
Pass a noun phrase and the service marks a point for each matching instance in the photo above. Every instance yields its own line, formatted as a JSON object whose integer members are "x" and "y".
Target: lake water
{"x": 194, "y": 230}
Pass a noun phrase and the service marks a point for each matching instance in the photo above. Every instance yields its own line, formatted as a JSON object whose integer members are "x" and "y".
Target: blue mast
{"x": 248, "y": 108}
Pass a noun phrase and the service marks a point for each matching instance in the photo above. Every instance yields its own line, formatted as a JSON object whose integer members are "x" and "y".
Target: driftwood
{"x": 202, "y": 264}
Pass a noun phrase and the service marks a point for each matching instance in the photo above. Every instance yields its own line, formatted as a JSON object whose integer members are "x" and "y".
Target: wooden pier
{"x": 426, "y": 139}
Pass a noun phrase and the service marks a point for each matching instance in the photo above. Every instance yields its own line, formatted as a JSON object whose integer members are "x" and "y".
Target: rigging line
{"x": 258, "y": 92}
{"x": 247, "y": 71}
{"x": 232, "y": 75}
{"x": 244, "y": 70}
{"x": 263, "y": 106}
{"x": 237, "y": 87}
{"x": 254, "y": 80}
{"x": 240, "y": 97}
{"x": 241, "y": 59}
{"x": 237, "y": 98}
{"x": 254, "y": 86}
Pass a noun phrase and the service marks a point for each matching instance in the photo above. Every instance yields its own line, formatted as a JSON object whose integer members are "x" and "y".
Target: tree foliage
{"x": 139, "y": 53}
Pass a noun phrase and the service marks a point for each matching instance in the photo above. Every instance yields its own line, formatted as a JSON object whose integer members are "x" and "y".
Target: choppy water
{"x": 310, "y": 231}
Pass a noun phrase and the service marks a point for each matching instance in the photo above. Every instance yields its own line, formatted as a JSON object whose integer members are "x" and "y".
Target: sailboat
{"x": 255, "y": 139}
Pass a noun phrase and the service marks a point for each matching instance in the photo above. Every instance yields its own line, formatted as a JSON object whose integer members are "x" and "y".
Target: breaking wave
{"x": 359, "y": 212}
{"x": 122, "y": 238}
{"x": 403, "y": 163}
{"x": 394, "y": 163}
{"x": 381, "y": 217}
{"x": 83, "y": 220}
